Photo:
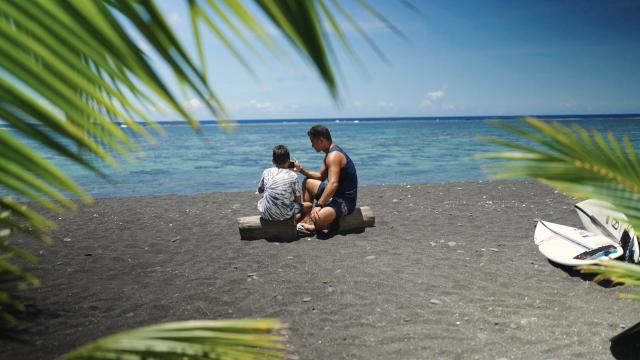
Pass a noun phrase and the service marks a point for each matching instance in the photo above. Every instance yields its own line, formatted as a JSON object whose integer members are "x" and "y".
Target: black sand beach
{"x": 449, "y": 272}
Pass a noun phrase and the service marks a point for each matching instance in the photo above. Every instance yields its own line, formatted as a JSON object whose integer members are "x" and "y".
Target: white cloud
{"x": 266, "y": 105}
{"x": 435, "y": 95}
{"x": 271, "y": 108}
{"x": 192, "y": 104}
{"x": 262, "y": 108}
{"x": 386, "y": 105}
{"x": 431, "y": 97}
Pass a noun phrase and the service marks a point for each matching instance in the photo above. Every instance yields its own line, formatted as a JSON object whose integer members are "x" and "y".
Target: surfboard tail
{"x": 631, "y": 254}
{"x": 603, "y": 218}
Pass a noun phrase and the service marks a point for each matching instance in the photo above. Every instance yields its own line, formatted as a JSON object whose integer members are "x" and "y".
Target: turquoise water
{"x": 385, "y": 152}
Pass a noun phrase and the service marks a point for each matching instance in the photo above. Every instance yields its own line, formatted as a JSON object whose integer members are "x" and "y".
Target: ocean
{"x": 385, "y": 151}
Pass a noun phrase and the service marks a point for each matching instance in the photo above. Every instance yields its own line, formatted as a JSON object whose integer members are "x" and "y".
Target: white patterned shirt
{"x": 280, "y": 187}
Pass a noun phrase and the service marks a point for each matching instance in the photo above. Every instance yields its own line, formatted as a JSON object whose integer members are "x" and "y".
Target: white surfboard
{"x": 602, "y": 218}
{"x": 567, "y": 245}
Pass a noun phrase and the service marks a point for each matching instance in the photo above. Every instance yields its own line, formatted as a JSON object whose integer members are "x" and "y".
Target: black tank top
{"x": 348, "y": 181}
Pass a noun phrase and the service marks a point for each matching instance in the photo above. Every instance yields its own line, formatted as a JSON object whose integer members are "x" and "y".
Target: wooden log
{"x": 254, "y": 227}
{"x": 359, "y": 219}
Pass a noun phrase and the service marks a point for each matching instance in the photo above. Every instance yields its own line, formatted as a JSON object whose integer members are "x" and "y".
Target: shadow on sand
{"x": 574, "y": 272}
{"x": 325, "y": 235}
{"x": 321, "y": 235}
{"x": 625, "y": 345}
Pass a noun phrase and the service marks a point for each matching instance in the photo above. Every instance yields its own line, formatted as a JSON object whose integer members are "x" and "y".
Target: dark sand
{"x": 450, "y": 271}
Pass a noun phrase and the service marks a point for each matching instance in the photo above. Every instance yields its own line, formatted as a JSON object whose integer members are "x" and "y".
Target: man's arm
{"x": 333, "y": 164}
{"x": 313, "y": 174}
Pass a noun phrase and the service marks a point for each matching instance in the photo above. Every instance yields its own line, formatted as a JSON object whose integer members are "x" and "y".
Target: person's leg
{"x": 298, "y": 212}
{"x": 304, "y": 211}
{"x": 325, "y": 218}
{"x": 309, "y": 189}
{"x": 307, "y": 208}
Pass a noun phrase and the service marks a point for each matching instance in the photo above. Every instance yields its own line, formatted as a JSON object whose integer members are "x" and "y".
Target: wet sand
{"x": 449, "y": 271}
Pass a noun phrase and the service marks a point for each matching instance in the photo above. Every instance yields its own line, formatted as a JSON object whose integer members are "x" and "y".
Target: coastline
{"x": 449, "y": 271}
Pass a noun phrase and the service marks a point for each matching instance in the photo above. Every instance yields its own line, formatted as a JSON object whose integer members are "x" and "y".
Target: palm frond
{"x": 195, "y": 339}
{"x": 82, "y": 69}
{"x": 582, "y": 163}
{"x": 11, "y": 274}
{"x": 300, "y": 23}
{"x": 616, "y": 271}
{"x": 71, "y": 72}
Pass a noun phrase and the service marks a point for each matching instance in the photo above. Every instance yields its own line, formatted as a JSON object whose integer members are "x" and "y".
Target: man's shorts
{"x": 339, "y": 205}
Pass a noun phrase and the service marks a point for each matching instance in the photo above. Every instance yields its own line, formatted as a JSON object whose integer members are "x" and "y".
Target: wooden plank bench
{"x": 255, "y": 227}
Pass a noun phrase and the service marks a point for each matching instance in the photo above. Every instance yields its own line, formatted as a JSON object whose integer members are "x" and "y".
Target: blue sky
{"x": 458, "y": 58}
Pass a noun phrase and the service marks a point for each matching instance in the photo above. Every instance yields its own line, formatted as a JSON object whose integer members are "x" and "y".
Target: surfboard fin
{"x": 631, "y": 253}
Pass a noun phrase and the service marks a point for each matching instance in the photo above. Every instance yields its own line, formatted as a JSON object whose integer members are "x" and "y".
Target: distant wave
{"x": 148, "y": 172}
{"x": 409, "y": 119}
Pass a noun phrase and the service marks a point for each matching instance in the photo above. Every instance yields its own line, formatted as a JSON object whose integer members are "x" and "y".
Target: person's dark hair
{"x": 280, "y": 154}
{"x": 319, "y": 132}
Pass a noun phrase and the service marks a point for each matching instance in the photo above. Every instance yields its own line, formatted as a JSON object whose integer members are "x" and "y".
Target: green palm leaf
{"x": 616, "y": 271}
{"x": 82, "y": 68}
{"x": 10, "y": 306}
{"x": 196, "y": 339}
{"x": 71, "y": 73}
{"x": 573, "y": 160}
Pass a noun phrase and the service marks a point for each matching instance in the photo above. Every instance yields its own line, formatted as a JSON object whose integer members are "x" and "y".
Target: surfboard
{"x": 602, "y": 218}
{"x": 570, "y": 246}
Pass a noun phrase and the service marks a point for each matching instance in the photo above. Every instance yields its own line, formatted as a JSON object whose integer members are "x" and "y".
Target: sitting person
{"x": 280, "y": 189}
{"x": 334, "y": 187}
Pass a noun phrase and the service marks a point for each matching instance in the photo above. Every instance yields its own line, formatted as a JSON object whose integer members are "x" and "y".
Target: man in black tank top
{"x": 334, "y": 187}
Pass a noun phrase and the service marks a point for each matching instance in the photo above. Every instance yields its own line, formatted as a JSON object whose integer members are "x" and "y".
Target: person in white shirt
{"x": 280, "y": 188}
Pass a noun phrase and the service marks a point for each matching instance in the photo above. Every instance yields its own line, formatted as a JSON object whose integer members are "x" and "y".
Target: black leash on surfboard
{"x": 597, "y": 223}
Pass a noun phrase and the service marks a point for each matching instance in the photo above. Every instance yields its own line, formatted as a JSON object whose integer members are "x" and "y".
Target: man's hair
{"x": 280, "y": 154}
{"x": 319, "y": 132}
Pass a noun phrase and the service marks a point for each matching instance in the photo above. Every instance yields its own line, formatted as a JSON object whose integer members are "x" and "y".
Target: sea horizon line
{"x": 412, "y": 118}
{"x": 357, "y": 119}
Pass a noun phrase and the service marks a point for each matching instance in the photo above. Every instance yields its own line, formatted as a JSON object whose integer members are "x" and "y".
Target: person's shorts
{"x": 297, "y": 208}
{"x": 339, "y": 205}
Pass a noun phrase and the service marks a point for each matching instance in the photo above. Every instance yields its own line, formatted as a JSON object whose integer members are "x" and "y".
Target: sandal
{"x": 302, "y": 232}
